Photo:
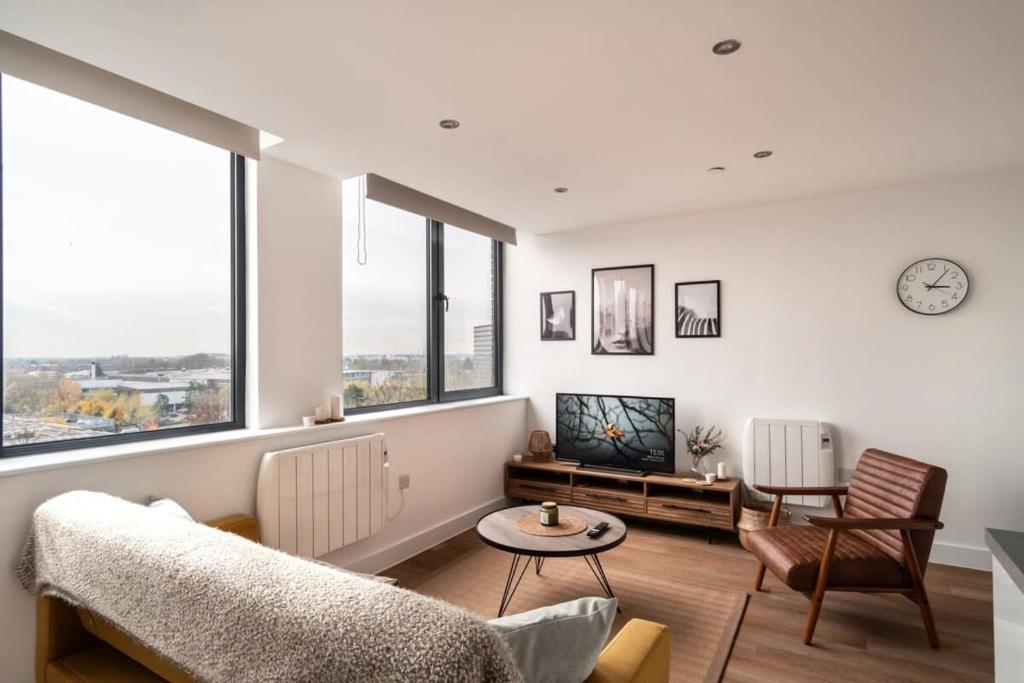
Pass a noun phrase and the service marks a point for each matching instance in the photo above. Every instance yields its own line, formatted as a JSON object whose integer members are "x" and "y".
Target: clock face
{"x": 932, "y": 286}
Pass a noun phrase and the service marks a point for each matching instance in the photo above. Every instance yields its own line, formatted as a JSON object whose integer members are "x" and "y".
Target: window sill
{"x": 71, "y": 458}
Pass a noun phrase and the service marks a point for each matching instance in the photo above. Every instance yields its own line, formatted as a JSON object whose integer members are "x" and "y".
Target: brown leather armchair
{"x": 879, "y": 543}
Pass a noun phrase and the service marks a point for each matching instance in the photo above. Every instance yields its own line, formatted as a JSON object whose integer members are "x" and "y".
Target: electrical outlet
{"x": 403, "y": 481}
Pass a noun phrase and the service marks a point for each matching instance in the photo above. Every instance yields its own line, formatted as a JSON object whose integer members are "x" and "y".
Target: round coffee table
{"x": 498, "y": 529}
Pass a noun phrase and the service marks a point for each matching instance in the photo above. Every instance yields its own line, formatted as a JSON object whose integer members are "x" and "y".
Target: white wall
{"x": 295, "y": 355}
{"x": 812, "y": 329}
{"x": 295, "y": 361}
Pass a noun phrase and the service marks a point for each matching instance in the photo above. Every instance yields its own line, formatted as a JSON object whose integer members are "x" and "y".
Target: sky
{"x": 385, "y": 299}
{"x": 117, "y": 237}
{"x": 116, "y": 233}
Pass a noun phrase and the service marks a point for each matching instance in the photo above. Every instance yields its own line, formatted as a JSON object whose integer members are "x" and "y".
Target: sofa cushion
{"x": 558, "y": 643}
{"x": 793, "y": 553}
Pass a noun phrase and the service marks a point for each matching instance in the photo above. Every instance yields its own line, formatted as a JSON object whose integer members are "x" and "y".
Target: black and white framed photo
{"x": 558, "y": 316}
{"x": 699, "y": 309}
{"x": 622, "y": 322}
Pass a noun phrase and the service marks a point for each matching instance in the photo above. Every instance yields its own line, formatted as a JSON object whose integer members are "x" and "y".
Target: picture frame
{"x": 622, "y": 311}
{"x": 558, "y": 315}
{"x": 698, "y": 309}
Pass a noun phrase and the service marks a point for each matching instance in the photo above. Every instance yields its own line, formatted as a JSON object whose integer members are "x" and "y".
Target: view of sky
{"x": 116, "y": 233}
{"x": 116, "y": 240}
{"x": 385, "y": 300}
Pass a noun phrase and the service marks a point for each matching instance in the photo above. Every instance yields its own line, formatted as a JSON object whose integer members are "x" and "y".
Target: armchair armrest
{"x": 802, "y": 490}
{"x": 639, "y": 653}
{"x": 899, "y": 523}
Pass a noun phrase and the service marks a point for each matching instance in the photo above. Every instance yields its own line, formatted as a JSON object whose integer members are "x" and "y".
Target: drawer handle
{"x": 671, "y": 506}
{"x": 602, "y": 496}
{"x": 534, "y": 487}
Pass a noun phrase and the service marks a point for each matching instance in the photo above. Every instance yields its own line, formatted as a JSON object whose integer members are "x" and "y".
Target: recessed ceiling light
{"x": 561, "y": 190}
{"x": 716, "y": 169}
{"x": 449, "y": 124}
{"x": 763, "y": 154}
{"x": 726, "y": 47}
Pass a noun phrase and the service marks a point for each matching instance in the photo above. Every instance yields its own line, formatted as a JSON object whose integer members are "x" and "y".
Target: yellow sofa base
{"x": 75, "y": 646}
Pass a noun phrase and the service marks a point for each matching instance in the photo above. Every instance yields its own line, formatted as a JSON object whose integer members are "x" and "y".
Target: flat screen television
{"x": 634, "y": 433}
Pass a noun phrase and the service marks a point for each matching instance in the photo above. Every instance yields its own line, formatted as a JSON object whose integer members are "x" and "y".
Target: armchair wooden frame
{"x": 914, "y": 590}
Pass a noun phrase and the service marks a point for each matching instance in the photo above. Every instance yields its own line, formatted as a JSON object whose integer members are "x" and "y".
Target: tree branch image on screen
{"x": 626, "y": 432}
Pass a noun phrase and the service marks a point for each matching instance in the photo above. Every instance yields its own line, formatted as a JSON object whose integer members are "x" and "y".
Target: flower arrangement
{"x": 701, "y": 443}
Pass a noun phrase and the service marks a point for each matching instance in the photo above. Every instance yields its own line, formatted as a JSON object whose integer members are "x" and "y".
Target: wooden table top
{"x": 498, "y": 529}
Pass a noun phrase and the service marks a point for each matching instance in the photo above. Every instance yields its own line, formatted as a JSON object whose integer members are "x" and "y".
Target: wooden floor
{"x": 859, "y": 637}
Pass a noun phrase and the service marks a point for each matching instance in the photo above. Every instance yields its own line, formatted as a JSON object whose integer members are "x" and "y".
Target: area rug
{"x": 703, "y": 621}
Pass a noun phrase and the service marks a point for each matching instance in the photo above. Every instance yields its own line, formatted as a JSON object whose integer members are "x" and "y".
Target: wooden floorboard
{"x": 859, "y": 637}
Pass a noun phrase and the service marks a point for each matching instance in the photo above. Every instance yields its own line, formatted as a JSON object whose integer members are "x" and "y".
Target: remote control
{"x": 598, "y": 530}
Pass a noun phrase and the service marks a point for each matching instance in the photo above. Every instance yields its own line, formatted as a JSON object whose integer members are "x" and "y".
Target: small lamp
{"x": 540, "y": 446}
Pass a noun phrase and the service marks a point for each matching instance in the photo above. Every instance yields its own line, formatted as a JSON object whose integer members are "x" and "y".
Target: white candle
{"x": 318, "y": 412}
{"x": 723, "y": 471}
{"x": 337, "y": 408}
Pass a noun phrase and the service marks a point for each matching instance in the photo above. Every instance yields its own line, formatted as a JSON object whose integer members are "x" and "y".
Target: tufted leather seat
{"x": 793, "y": 553}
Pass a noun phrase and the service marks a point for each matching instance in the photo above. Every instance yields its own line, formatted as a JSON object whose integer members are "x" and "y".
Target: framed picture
{"x": 623, "y": 311}
{"x": 558, "y": 316}
{"x": 698, "y": 309}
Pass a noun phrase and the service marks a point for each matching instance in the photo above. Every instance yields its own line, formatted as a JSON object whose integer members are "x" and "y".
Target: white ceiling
{"x": 622, "y": 102}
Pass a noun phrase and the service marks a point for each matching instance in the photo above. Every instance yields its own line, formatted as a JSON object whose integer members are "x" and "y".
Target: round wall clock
{"x": 932, "y": 286}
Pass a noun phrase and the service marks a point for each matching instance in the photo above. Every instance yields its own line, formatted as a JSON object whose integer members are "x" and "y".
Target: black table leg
{"x": 538, "y": 564}
{"x": 512, "y": 582}
{"x": 595, "y": 566}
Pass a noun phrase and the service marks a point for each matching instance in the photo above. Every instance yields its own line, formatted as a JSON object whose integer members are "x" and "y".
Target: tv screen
{"x": 627, "y": 432}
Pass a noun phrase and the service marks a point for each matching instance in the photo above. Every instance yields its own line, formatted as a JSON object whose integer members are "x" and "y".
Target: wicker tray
{"x": 567, "y": 526}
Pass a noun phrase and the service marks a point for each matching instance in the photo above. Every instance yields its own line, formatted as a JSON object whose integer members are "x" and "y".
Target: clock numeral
{"x": 931, "y": 307}
{"x": 955, "y": 274}
{"x": 906, "y": 287}
{"x": 909, "y": 298}
{"x": 945, "y": 304}
{"x": 911, "y": 277}
{"x": 931, "y": 265}
{"x": 955, "y": 296}
{"x": 959, "y": 284}
{"x": 917, "y": 268}
{"x": 919, "y": 304}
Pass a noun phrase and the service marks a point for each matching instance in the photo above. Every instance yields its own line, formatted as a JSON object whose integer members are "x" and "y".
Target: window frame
{"x": 435, "y": 326}
{"x": 238, "y": 330}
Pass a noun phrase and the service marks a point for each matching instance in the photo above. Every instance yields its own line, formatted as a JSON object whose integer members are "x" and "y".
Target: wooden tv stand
{"x": 655, "y": 496}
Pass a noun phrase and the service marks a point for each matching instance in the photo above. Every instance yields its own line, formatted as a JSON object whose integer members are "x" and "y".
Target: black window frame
{"x": 434, "y": 306}
{"x": 238, "y": 329}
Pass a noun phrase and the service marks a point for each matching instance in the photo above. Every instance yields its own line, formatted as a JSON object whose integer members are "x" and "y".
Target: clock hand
{"x": 940, "y": 277}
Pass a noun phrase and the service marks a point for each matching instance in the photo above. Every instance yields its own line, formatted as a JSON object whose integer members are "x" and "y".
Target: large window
{"x": 122, "y": 278}
{"x": 421, "y": 308}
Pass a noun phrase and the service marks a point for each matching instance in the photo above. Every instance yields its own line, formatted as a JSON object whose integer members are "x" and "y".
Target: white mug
{"x": 710, "y": 477}
{"x": 308, "y": 420}
{"x": 517, "y": 457}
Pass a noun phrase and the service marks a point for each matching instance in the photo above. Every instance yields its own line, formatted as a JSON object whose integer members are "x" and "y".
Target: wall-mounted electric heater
{"x": 789, "y": 453}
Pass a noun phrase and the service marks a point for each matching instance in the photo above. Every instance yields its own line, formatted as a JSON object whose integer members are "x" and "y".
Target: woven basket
{"x": 755, "y": 516}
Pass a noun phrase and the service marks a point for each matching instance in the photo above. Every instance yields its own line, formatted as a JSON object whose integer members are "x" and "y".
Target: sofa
{"x": 75, "y": 646}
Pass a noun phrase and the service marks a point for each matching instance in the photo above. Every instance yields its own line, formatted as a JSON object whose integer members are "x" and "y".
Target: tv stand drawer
{"x": 690, "y": 512}
{"x": 611, "y": 501}
{"x": 542, "y": 491}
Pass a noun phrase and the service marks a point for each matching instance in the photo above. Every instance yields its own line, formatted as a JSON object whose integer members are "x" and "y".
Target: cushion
{"x": 559, "y": 643}
{"x": 793, "y": 553}
{"x": 170, "y": 507}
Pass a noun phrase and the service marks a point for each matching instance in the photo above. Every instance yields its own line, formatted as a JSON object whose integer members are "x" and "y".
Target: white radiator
{"x": 319, "y": 498}
{"x": 789, "y": 453}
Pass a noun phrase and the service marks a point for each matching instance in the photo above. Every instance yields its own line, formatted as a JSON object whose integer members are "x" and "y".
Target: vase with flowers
{"x": 701, "y": 443}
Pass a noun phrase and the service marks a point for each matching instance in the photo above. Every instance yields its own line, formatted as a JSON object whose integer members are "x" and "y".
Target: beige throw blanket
{"x": 225, "y": 609}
